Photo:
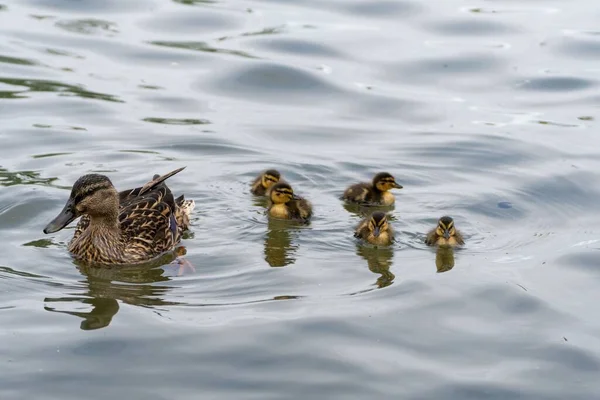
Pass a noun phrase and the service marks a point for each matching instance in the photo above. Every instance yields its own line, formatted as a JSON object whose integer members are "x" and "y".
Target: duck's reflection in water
{"x": 362, "y": 211}
{"x": 444, "y": 258}
{"x": 379, "y": 260}
{"x": 279, "y": 248}
{"x": 105, "y": 287}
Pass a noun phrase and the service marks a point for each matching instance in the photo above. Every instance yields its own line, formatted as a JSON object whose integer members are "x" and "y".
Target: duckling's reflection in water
{"x": 104, "y": 287}
{"x": 379, "y": 260}
{"x": 444, "y": 258}
{"x": 361, "y": 210}
{"x": 279, "y": 249}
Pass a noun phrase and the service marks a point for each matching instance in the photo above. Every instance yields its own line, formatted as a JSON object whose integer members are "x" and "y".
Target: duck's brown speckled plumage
{"x": 444, "y": 234}
{"x": 375, "y": 229}
{"x": 375, "y": 192}
{"x": 284, "y": 204}
{"x": 147, "y": 222}
{"x": 263, "y": 183}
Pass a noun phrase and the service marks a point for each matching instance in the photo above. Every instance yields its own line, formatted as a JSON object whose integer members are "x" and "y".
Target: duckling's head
{"x": 281, "y": 193}
{"x": 269, "y": 177}
{"x": 92, "y": 194}
{"x": 378, "y": 223}
{"x": 384, "y": 181}
{"x": 445, "y": 227}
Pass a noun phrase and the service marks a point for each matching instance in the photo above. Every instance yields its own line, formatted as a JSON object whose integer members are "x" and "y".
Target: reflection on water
{"x": 360, "y": 210}
{"x": 201, "y": 46}
{"x": 8, "y": 178}
{"x": 279, "y": 248}
{"x": 379, "y": 261}
{"x": 106, "y": 287}
{"x": 39, "y": 85}
{"x": 444, "y": 258}
{"x": 486, "y": 116}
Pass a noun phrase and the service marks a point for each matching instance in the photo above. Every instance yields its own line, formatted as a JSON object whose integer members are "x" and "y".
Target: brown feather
{"x": 145, "y": 229}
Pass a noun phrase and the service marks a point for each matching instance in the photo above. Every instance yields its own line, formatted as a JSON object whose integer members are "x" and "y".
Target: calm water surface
{"x": 484, "y": 110}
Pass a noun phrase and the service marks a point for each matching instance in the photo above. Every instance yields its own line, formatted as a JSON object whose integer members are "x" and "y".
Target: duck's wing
{"x": 459, "y": 238}
{"x": 359, "y": 231}
{"x": 359, "y": 193}
{"x": 431, "y": 237}
{"x": 148, "y": 223}
{"x": 157, "y": 180}
{"x": 148, "y": 217}
{"x": 300, "y": 209}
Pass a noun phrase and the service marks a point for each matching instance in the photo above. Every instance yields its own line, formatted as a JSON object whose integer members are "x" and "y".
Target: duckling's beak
{"x": 376, "y": 231}
{"x": 66, "y": 216}
{"x": 397, "y": 185}
{"x": 296, "y": 197}
{"x": 446, "y": 234}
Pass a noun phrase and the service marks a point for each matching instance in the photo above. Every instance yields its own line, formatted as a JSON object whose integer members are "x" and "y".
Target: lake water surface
{"x": 483, "y": 110}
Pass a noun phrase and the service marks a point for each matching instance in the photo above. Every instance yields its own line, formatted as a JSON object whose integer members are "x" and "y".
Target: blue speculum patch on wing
{"x": 173, "y": 225}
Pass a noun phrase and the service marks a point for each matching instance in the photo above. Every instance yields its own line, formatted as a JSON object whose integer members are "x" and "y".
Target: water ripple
{"x": 484, "y": 111}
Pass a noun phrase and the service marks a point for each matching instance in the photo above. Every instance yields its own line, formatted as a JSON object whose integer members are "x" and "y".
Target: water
{"x": 483, "y": 110}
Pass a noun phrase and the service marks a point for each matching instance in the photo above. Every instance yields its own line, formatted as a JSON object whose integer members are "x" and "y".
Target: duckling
{"x": 375, "y": 230}
{"x": 263, "y": 182}
{"x": 129, "y": 227}
{"x": 284, "y": 204}
{"x": 444, "y": 234}
{"x": 375, "y": 192}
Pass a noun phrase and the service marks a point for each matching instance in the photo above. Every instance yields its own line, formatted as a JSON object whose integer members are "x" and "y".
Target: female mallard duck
{"x": 444, "y": 234}
{"x": 284, "y": 204}
{"x": 264, "y": 181}
{"x": 375, "y": 192}
{"x": 375, "y": 230}
{"x": 129, "y": 227}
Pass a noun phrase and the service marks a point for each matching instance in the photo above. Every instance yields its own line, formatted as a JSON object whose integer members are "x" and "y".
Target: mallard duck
{"x": 375, "y": 192}
{"x": 284, "y": 204}
{"x": 375, "y": 229}
{"x": 264, "y": 181}
{"x": 444, "y": 234}
{"x": 129, "y": 227}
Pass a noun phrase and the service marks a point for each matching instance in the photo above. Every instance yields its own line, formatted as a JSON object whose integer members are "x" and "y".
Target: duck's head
{"x": 282, "y": 193}
{"x": 92, "y": 194}
{"x": 445, "y": 227}
{"x": 378, "y": 223}
{"x": 384, "y": 181}
{"x": 269, "y": 178}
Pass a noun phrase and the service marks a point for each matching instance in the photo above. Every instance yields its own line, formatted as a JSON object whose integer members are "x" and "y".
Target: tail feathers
{"x": 158, "y": 180}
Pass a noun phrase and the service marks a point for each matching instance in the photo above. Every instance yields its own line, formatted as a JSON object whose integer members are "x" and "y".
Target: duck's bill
{"x": 296, "y": 197}
{"x": 376, "y": 231}
{"x": 446, "y": 235}
{"x": 397, "y": 185}
{"x": 66, "y": 216}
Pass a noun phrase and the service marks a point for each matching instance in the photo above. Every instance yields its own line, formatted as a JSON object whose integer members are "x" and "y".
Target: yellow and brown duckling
{"x": 284, "y": 204}
{"x": 376, "y": 192}
{"x": 444, "y": 234}
{"x": 129, "y": 227}
{"x": 375, "y": 229}
{"x": 263, "y": 182}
